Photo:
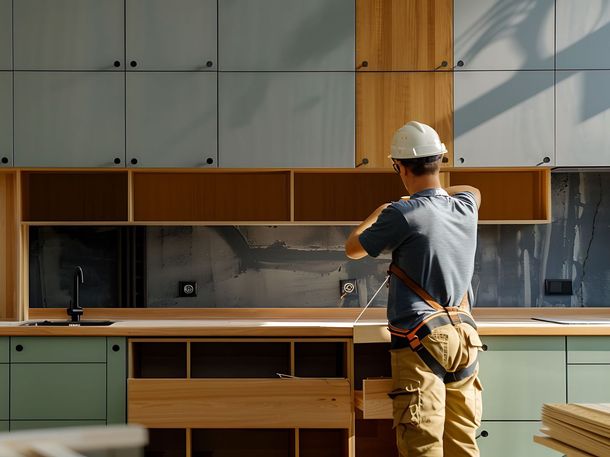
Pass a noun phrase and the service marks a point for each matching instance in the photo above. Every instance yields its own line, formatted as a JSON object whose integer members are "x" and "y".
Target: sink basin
{"x": 67, "y": 324}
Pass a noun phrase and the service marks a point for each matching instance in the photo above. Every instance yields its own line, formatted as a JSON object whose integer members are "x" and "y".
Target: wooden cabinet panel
{"x": 511, "y": 370}
{"x": 301, "y": 119}
{"x": 387, "y": 101}
{"x": 36, "y": 388}
{"x": 32, "y": 349}
{"x": 176, "y": 35}
{"x": 589, "y": 349}
{"x": 212, "y": 196}
{"x": 497, "y": 35}
{"x": 375, "y": 403}
{"x": 6, "y": 35}
{"x": 68, "y": 34}
{"x": 171, "y": 119}
{"x": 583, "y": 34}
{"x": 243, "y": 403}
{"x": 588, "y": 383}
{"x": 69, "y": 119}
{"x": 583, "y": 102}
{"x": 286, "y": 35}
{"x": 6, "y": 119}
{"x": 71, "y": 196}
{"x": 512, "y": 439}
{"x": 404, "y": 34}
{"x": 504, "y": 118}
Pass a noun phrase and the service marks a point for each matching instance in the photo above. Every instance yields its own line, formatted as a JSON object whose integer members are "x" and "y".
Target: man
{"x": 432, "y": 236}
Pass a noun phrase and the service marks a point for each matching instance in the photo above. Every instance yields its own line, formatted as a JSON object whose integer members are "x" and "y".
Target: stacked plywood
{"x": 577, "y": 429}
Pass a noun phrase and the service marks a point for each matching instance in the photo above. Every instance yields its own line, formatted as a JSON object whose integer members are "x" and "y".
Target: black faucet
{"x": 74, "y": 309}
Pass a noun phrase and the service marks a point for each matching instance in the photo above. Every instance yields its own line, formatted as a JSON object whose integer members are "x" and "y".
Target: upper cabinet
{"x": 171, "y": 119}
{"x": 69, "y": 119}
{"x": 6, "y": 35}
{"x": 386, "y": 101}
{"x": 404, "y": 34}
{"x": 68, "y": 34}
{"x": 6, "y": 119}
{"x": 273, "y": 119}
{"x": 583, "y": 116}
{"x": 171, "y": 35}
{"x": 286, "y": 35}
{"x": 504, "y": 35}
{"x": 504, "y": 118}
{"x": 583, "y": 34}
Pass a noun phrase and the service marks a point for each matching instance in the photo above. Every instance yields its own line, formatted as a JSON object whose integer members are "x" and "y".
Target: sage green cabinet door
{"x": 174, "y": 35}
{"x": 504, "y": 118}
{"x": 589, "y": 349}
{"x": 68, "y": 34}
{"x": 588, "y": 383}
{"x": 286, "y": 119}
{"x": 286, "y": 35}
{"x": 6, "y": 35}
{"x": 4, "y": 426}
{"x": 35, "y": 425}
{"x": 504, "y": 35}
{"x": 6, "y": 119}
{"x": 171, "y": 119}
{"x": 4, "y": 349}
{"x": 116, "y": 380}
{"x": 55, "y": 391}
{"x": 29, "y": 349}
{"x": 4, "y": 391}
{"x": 519, "y": 374}
{"x": 69, "y": 119}
{"x": 512, "y": 439}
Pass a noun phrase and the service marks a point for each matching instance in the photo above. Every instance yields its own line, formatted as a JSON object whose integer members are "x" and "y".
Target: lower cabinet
{"x": 511, "y": 439}
{"x": 66, "y": 381}
{"x": 588, "y": 369}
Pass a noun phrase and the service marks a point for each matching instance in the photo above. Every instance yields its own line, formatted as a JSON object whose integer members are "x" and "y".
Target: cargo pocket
{"x": 406, "y": 405}
{"x": 478, "y": 401}
{"x": 474, "y": 344}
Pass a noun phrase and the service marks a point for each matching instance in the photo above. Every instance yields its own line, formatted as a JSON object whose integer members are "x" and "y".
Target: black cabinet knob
{"x": 133, "y": 63}
{"x": 461, "y": 160}
{"x": 484, "y": 347}
{"x": 483, "y": 434}
{"x": 116, "y": 347}
{"x": 209, "y": 161}
{"x": 134, "y": 161}
{"x": 117, "y": 63}
{"x": 117, "y": 161}
{"x": 546, "y": 160}
{"x": 4, "y": 160}
{"x": 209, "y": 64}
{"x": 19, "y": 348}
{"x": 364, "y": 64}
{"x": 460, "y": 63}
{"x": 444, "y": 63}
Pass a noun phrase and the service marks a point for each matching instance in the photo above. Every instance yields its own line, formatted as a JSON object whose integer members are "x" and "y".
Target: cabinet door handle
{"x": 116, "y": 347}
{"x": 460, "y": 63}
{"x": 209, "y": 161}
{"x": 133, "y": 63}
{"x": 484, "y": 347}
{"x": 117, "y": 160}
{"x": 19, "y": 348}
{"x": 209, "y": 64}
{"x": 483, "y": 434}
{"x": 134, "y": 161}
{"x": 546, "y": 159}
{"x": 461, "y": 160}
{"x": 4, "y": 160}
{"x": 117, "y": 63}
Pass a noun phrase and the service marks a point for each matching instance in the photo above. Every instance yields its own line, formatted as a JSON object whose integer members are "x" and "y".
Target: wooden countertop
{"x": 491, "y": 322}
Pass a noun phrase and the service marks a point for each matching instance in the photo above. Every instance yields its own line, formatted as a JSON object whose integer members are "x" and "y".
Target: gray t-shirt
{"x": 433, "y": 238}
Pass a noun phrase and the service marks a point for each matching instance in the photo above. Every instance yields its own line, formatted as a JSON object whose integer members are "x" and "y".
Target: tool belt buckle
{"x": 415, "y": 343}
{"x": 454, "y": 317}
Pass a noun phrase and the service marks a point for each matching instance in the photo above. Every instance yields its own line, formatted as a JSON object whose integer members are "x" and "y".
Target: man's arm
{"x": 353, "y": 248}
{"x": 473, "y": 190}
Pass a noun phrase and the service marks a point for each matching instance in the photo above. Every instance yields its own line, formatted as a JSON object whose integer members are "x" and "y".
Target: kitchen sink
{"x": 67, "y": 324}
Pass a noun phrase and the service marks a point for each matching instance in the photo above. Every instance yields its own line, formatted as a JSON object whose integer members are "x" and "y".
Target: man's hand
{"x": 473, "y": 190}
{"x": 353, "y": 248}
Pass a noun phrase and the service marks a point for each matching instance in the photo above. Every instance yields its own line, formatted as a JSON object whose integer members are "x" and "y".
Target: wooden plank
{"x": 569, "y": 451}
{"x": 404, "y": 34}
{"x": 263, "y": 196}
{"x": 375, "y": 401}
{"x": 245, "y": 403}
{"x": 387, "y": 101}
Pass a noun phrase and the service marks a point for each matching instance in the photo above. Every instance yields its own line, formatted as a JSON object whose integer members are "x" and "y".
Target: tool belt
{"x": 444, "y": 315}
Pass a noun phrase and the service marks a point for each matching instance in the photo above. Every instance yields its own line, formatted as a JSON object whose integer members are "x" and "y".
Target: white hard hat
{"x": 414, "y": 140}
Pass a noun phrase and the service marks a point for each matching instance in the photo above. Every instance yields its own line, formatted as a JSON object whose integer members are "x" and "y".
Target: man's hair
{"x": 423, "y": 165}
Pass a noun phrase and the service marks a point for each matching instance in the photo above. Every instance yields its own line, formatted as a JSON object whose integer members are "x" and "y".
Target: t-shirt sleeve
{"x": 468, "y": 198}
{"x": 387, "y": 233}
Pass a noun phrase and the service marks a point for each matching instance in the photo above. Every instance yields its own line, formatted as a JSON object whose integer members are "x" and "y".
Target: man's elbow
{"x": 354, "y": 250}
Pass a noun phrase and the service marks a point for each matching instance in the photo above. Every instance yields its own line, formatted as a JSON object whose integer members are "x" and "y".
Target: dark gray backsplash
{"x": 301, "y": 266}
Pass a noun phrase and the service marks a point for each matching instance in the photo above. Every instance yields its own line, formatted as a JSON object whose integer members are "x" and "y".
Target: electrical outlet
{"x": 558, "y": 286}
{"x": 347, "y": 287}
{"x": 187, "y": 288}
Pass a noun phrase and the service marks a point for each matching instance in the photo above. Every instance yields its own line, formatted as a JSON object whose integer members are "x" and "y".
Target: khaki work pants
{"x": 434, "y": 419}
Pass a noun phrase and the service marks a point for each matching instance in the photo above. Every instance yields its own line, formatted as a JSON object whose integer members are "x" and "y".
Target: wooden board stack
{"x": 577, "y": 430}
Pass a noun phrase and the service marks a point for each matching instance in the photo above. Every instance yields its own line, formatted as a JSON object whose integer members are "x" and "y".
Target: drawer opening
{"x": 159, "y": 360}
{"x": 320, "y": 360}
{"x": 166, "y": 442}
{"x": 375, "y": 438}
{"x": 323, "y": 443}
{"x": 241, "y": 442}
{"x": 372, "y": 360}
